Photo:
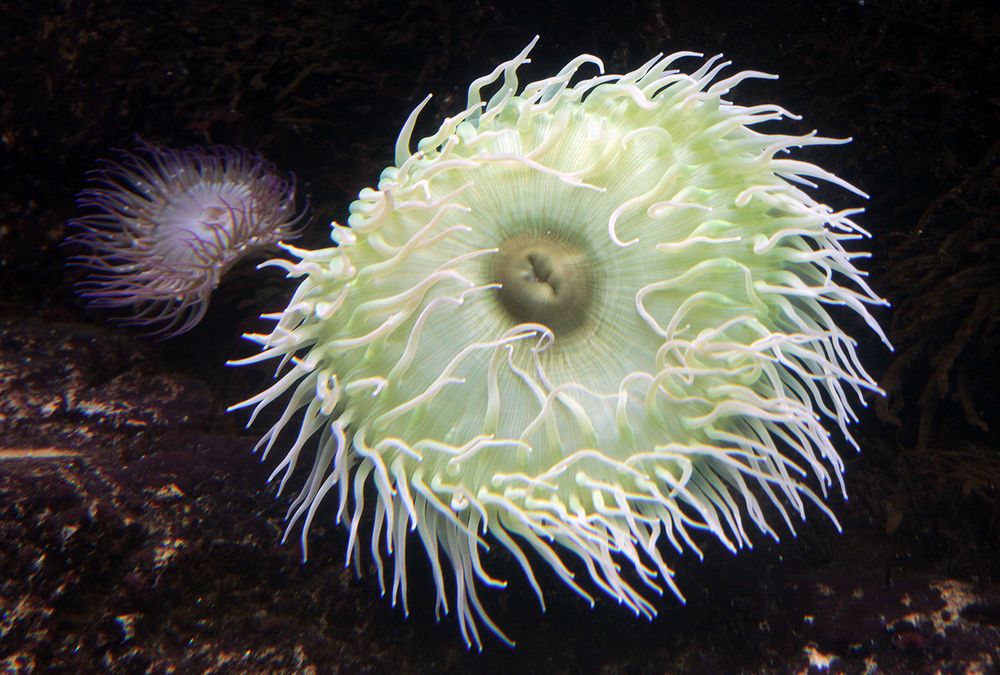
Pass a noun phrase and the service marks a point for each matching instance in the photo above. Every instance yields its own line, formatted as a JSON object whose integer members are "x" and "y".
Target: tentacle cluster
{"x": 691, "y": 392}
{"x": 163, "y": 227}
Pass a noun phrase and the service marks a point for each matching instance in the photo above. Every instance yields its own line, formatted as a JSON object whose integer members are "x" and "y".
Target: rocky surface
{"x": 136, "y": 536}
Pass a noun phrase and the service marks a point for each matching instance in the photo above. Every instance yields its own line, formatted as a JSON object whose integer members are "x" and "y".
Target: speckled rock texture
{"x": 135, "y": 536}
{"x": 134, "y": 533}
{"x": 137, "y": 531}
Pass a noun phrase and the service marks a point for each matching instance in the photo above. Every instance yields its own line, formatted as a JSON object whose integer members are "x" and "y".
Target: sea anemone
{"x": 166, "y": 225}
{"x": 588, "y": 318}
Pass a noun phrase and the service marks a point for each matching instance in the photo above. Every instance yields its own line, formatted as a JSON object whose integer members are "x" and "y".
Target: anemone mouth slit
{"x": 546, "y": 278}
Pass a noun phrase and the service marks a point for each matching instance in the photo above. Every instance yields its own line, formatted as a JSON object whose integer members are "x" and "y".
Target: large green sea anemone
{"x": 589, "y": 320}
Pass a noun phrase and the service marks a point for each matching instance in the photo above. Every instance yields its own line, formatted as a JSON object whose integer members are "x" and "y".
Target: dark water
{"x": 137, "y": 536}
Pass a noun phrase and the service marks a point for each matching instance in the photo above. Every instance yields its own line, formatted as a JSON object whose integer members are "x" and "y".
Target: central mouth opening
{"x": 545, "y": 279}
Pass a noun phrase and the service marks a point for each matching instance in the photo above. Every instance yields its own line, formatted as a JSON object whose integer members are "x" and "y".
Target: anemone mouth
{"x": 548, "y": 279}
{"x": 590, "y": 317}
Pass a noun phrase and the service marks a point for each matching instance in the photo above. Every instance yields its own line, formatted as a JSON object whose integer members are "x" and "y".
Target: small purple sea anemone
{"x": 166, "y": 225}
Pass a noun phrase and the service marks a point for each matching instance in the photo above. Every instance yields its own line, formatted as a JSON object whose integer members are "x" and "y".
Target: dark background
{"x": 135, "y": 531}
